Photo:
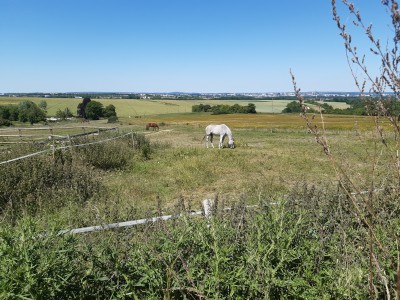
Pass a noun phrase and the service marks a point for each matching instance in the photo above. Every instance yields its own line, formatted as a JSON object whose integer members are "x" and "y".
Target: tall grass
{"x": 54, "y": 179}
{"x": 304, "y": 246}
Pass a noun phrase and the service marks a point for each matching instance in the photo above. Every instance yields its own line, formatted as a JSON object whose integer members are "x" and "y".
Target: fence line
{"x": 63, "y": 147}
{"x": 25, "y": 156}
{"x": 42, "y": 137}
{"x": 51, "y": 128}
{"x": 207, "y": 204}
{"x": 126, "y": 223}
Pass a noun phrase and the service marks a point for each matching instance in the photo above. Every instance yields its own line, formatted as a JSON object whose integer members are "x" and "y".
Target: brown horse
{"x": 153, "y": 125}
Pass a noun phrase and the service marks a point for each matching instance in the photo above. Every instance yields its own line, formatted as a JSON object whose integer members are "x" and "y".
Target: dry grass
{"x": 274, "y": 153}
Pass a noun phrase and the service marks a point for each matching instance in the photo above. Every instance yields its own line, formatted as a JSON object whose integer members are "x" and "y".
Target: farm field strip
{"x": 144, "y": 107}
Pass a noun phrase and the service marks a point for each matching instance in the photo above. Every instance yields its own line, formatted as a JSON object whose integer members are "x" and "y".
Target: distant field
{"x": 132, "y": 107}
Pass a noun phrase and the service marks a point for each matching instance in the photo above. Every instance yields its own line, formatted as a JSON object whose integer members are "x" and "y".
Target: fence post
{"x": 207, "y": 207}
{"x": 20, "y": 134}
{"x": 54, "y": 148}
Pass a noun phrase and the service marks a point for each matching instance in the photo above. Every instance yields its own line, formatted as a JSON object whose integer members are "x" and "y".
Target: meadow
{"x": 145, "y": 107}
{"x": 303, "y": 209}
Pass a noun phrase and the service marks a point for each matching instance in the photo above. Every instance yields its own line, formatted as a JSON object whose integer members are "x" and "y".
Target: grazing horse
{"x": 221, "y": 130}
{"x": 153, "y": 125}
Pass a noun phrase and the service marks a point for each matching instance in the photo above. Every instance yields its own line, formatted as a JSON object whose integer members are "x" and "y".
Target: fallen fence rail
{"x": 207, "y": 204}
{"x": 126, "y": 223}
{"x": 207, "y": 211}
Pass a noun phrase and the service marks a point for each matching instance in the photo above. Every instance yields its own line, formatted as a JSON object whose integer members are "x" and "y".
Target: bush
{"x": 42, "y": 183}
{"x": 112, "y": 119}
{"x": 9, "y": 112}
{"x": 30, "y": 112}
{"x": 37, "y": 266}
{"x": 115, "y": 154}
{"x": 64, "y": 114}
{"x": 52, "y": 180}
{"x": 4, "y": 122}
{"x": 109, "y": 111}
{"x": 306, "y": 246}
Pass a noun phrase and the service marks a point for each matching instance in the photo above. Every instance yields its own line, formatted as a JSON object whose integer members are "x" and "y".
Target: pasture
{"x": 276, "y": 160}
{"x": 273, "y": 154}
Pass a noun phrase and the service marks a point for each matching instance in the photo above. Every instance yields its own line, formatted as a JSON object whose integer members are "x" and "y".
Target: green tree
{"x": 30, "y": 112}
{"x": 63, "y": 114}
{"x": 293, "y": 107}
{"x": 43, "y": 105}
{"x": 9, "y": 112}
{"x": 94, "y": 110}
{"x": 251, "y": 108}
{"x": 109, "y": 111}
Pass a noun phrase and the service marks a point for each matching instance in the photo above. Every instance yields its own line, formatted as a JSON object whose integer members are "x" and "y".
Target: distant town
{"x": 184, "y": 95}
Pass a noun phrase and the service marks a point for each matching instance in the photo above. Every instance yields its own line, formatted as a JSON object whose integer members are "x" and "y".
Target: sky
{"x": 157, "y": 46}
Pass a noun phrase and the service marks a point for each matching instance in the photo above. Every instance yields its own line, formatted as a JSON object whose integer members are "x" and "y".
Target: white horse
{"x": 221, "y": 130}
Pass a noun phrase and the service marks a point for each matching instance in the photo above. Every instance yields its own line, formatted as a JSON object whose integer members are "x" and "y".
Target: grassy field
{"x": 274, "y": 153}
{"x": 276, "y": 160}
{"x": 132, "y": 108}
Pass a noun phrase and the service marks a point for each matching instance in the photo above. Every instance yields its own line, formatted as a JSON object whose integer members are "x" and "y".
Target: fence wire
{"x": 63, "y": 147}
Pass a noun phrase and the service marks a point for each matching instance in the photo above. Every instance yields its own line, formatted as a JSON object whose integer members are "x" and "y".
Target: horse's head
{"x": 231, "y": 144}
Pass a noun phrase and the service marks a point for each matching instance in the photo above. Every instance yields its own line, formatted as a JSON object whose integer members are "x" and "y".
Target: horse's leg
{"x": 221, "y": 140}
{"x": 211, "y": 140}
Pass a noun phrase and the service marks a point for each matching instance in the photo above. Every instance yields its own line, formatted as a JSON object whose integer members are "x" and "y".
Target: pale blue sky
{"x": 176, "y": 45}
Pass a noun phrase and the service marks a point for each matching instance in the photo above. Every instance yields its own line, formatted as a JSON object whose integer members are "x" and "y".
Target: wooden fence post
{"x": 207, "y": 207}
{"x": 20, "y": 134}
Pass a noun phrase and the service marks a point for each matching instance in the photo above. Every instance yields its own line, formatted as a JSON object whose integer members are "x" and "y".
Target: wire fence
{"x": 54, "y": 148}
{"x": 43, "y": 134}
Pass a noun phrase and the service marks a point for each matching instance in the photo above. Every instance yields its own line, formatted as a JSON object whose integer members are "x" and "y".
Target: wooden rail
{"x": 9, "y": 137}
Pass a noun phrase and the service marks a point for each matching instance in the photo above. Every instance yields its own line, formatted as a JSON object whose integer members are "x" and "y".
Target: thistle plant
{"x": 370, "y": 209}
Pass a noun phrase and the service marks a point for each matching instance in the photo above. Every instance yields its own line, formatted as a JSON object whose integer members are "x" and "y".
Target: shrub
{"x": 30, "y": 112}
{"x": 112, "y": 119}
{"x": 51, "y": 180}
{"x": 5, "y": 122}
{"x": 304, "y": 246}
{"x": 115, "y": 154}
{"x": 64, "y": 114}
{"x": 109, "y": 111}
{"x": 42, "y": 183}
{"x": 38, "y": 266}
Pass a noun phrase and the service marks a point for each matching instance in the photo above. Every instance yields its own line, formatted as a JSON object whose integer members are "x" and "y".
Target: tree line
{"x": 357, "y": 106}
{"x": 225, "y": 109}
{"x": 29, "y": 112}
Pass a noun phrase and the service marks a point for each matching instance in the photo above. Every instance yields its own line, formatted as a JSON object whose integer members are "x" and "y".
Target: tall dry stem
{"x": 376, "y": 87}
